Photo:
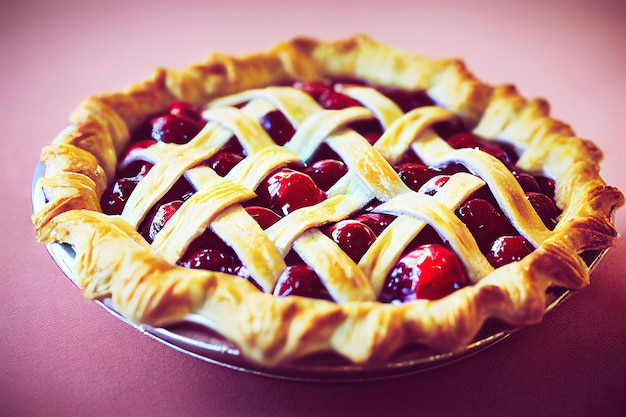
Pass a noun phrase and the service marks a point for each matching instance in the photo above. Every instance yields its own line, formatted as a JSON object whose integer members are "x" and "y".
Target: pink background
{"x": 61, "y": 355}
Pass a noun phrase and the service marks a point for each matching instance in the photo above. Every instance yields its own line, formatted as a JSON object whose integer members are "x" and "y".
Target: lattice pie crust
{"x": 145, "y": 284}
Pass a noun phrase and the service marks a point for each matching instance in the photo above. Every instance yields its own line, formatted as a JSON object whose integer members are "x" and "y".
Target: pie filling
{"x": 449, "y": 208}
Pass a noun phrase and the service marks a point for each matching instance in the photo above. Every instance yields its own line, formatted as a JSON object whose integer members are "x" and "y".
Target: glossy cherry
{"x": 314, "y": 89}
{"x": 301, "y": 280}
{"x": 408, "y": 100}
{"x": 528, "y": 182}
{"x": 183, "y": 109}
{"x": 223, "y": 162}
{"x": 435, "y": 184}
{"x": 161, "y": 216}
{"x": 377, "y": 222}
{"x": 326, "y": 172}
{"x": 353, "y": 237}
{"x": 208, "y": 239}
{"x": 172, "y": 128}
{"x": 212, "y": 260}
{"x": 333, "y": 100}
{"x": 115, "y": 196}
{"x": 277, "y": 126}
{"x": 484, "y": 222}
{"x": 287, "y": 190}
{"x": 140, "y": 144}
{"x": 415, "y": 174}
{"x": 545, "y": 208}
{"x": 263, "y": 216}
{"x": 427, "y": 272}
{"x": 547, "y": 185}
{"x": 507, "y": 249}
{"x": 470, "y": 140}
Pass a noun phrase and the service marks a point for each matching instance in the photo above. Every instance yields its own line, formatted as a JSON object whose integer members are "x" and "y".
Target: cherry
{"x": 263, "y": 216}
{"x": 507, "y": 249}
{"x": 222, "y": 162}
{"x": 547, "y": 185}
{"x": 326, "y": 172}
{"x": 172, "y": 128}
{"x": 415, "y": 174}
{"x": 377, "y": 222}
{"x": 292, "y": 258}
{"x": 287, "y": 190}
{"x": 208, "y": 239}
{"x": 161, "y": 216}
{"x": 183, "y": 109}
{"x": 233, "y": 146}
{"x": 314, "y": 89}
{"x": 408, "y": 100}
{"x": 527, "y": 181}
{"x": 278, "y": 127}
{"x": 324, "y": 152}
{"x": 353, "y": 237}
{"x": 115, "y": 196}
{"x": 545, "y": 208}
{"x": 470, "y": 140}
{"x": 427, "y": 272}
{"x": 138, "y": 168}
{"x": 436, "y": 185}
{"x": 484, "y": 222}
{"x": 181, "y": 190}
{"x": 333, "y": 100}
{"x": 212, "y": 260}
{"x": 140, "y": 144}
{"x": 301, "y": 280}
{"x": 114, "y": 199}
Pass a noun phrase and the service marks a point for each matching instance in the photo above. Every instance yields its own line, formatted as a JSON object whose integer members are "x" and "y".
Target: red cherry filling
{"x": 415, "y": 174}
{"x": 301, "y": 280}
{"x": 263, "y": 216}
{"x": 408, "y": 100}
{"x": 377, "y": 222}
{"x": 278, "y": 127}
{"x": 223, "y": 162}
{"x": 165, "y": 208}
{"x": 163, "y": 213}
{"x": 484, "y": 222}
{"x": 426, "y": 269}
{"x": 326, "y": 173}
{"x": 142, "y": 144}
{"x": 182, "y": 109}
{"x": 172, "y": 128}
{"x": 507, "y": 249}
{"x": 314, "y": 89}
{"x": 115, "y": 196}
{"x": 212, "y": 260}
{"x": 469, "y": 140}
{"x": 545, "y": 208}
{"x": 287, "y": 190}
{"x": 528, "y": 182}
{"x": 353, "y": 237}
{"x": 427, "y": 272}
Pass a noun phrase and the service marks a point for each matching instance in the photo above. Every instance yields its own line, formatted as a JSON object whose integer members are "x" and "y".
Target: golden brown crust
{"x": 112, "y": 259}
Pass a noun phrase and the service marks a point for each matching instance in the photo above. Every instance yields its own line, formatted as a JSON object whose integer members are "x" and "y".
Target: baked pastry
{"x": 340, "y": 197}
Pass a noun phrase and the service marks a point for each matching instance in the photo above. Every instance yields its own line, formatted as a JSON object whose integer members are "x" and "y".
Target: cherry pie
{"x": 338, "y": 197}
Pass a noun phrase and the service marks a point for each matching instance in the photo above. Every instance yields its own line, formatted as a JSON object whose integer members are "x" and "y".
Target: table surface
{"x": 62, "y": 355}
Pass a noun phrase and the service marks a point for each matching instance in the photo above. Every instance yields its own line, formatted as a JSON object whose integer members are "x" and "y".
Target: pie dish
{"x": 337, "y": 197}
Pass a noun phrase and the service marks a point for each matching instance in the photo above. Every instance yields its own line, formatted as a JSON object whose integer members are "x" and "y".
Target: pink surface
{"x": 61, "y": 355}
